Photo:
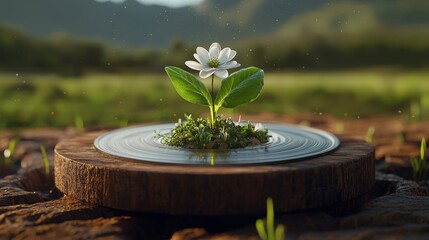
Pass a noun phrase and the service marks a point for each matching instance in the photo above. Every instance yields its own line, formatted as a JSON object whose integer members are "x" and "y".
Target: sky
{"x": 168, "y": 3}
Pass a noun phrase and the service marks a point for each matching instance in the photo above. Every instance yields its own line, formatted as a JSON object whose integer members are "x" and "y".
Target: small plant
{"x": 78, "y": 123}
{"x": 265, "y": 229}
{"x": 369, "y": 138}
{"x": 419, "y": 165}
{"x": 45, "y": 159}
{"x": 7, "y": 153}
{"x": 198, "y": 134}
{"x": 241, "y": 87}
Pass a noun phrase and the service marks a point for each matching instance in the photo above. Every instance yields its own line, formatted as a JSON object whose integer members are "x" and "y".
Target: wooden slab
{"x": 86, "y": 174}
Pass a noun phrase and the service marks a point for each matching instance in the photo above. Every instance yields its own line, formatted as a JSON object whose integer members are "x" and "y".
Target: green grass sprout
{"x": 8, "y": 153}
{"x": 78, "y": 123}
{"x": 45, "y": 159}
{"x": 419, "y": 165}
{"x": 266, "y": 229}
{"x": 369, "y": 137}
{"x": 339, "y": 127}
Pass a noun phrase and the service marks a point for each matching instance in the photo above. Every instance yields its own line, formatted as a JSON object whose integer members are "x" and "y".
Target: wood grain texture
{"x": 86, "y": 174}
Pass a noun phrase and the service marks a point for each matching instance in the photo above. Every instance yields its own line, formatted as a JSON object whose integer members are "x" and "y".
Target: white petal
{"x": 232, "y": 54}
{"x": 207, "y": 68}
{"x": 223, "y": 55}
{"x": 215, "y": 45}
{"x": 194, "y": 65}
{"x": 229, "y": 65}
{"x": 205, "y": 74}
{"x": 197, "y": 58}
{"x": 214, "y": 50}
{"x": 221, "y": 73}
{"x": 203, "y": 55}
{"x": 259, "y": 126}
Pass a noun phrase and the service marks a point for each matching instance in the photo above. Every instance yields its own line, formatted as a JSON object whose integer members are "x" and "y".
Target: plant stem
{"x": 212, "y": 87}
{"x": 212, "y": 110}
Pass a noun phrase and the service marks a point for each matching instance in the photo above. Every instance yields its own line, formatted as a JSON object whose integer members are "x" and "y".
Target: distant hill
{"x": 136, "y": 25}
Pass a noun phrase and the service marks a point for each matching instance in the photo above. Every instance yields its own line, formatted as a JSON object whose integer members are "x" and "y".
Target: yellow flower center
{"x": 213, "y": 63}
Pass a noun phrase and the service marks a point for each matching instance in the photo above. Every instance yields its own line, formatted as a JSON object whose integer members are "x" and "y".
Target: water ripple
{"x": 288, "y": 143}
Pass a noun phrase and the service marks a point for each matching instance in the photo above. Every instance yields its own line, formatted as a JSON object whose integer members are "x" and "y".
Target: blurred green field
{"x": 34, "y": 100}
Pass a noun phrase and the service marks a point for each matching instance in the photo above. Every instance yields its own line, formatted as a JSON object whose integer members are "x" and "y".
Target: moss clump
{"x": 225, "y": 134}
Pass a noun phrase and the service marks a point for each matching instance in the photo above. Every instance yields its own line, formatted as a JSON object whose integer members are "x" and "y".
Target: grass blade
{"x": 369, "y": 138}
{"x": 270, "y": 218}
{"x": 45, "y": 159}
{"x": 78, "y": 122}
{"x": 280, "y": 232}
{"x": 9, "y": 151}
{"x": 261, "y": 229}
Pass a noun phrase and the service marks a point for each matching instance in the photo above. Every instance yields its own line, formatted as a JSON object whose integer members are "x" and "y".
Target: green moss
{"x": 226, "y": 134}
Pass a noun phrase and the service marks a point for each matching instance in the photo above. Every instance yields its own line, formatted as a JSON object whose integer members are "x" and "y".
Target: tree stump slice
{"x": 86, "y": 174}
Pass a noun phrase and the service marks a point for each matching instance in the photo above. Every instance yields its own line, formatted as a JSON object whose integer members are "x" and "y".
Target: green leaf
{"x": 12, "y": 145}
{"x": 280, "y": 232}
{"x": 423, "y": 149}
{"x": 45, "y": 159}
{"x": 241, "y": 87}
{"x": 270, "y": 219}
{"x": 188, "y": 87}
{"x": 261, "y": 229}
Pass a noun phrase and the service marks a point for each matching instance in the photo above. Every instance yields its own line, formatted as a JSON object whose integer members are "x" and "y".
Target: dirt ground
{"x": 32, "y": 208}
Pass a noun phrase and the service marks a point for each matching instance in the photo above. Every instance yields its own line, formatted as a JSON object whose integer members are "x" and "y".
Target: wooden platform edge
{"x": 83, "y": 173}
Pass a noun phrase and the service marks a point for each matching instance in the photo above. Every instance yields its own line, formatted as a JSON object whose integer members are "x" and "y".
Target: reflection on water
{"x": 207, "y": 157}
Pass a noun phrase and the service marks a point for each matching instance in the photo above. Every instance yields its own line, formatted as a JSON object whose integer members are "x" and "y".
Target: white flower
{"x": 214, "y": 60}
{"x": 259, "y": 127}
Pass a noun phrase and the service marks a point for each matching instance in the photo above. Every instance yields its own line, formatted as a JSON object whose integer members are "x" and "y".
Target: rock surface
{"x": 32, "y": 208}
